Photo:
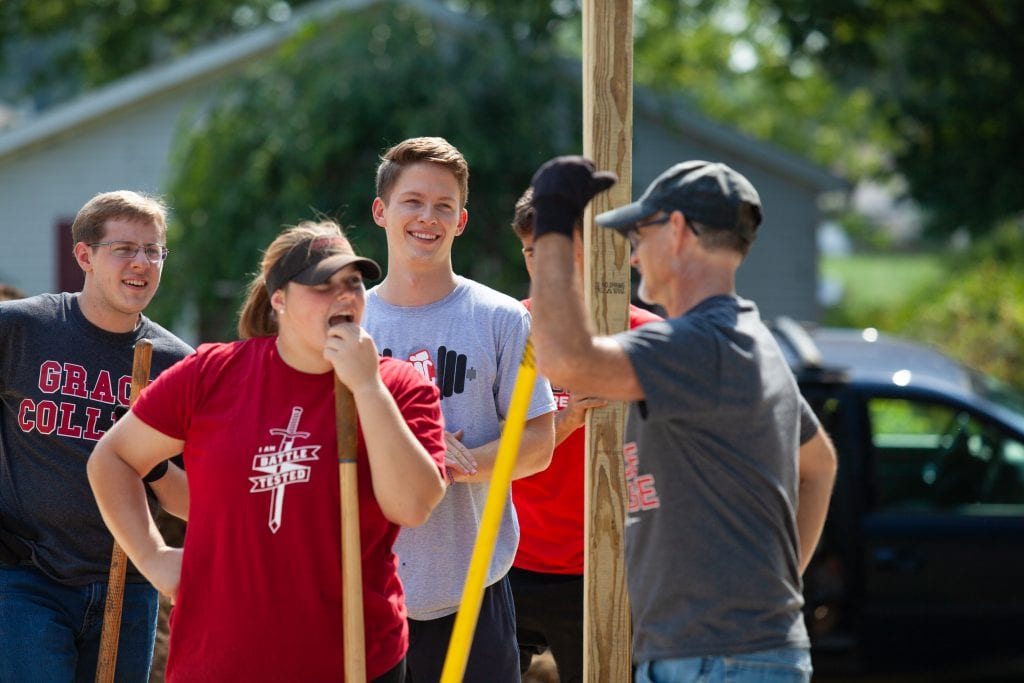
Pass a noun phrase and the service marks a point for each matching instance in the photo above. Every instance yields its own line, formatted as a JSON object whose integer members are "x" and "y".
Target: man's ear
{"x": 463, "y": 221}
{"x": 377, "y": 211}
{"x": 83, "y": 256}
{"x": 680, "y": 232}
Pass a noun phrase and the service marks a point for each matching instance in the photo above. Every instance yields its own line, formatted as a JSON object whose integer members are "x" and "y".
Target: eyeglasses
{"x": 155, "y": 253}
{"x": 653, "y": 221}
{"x": 528, "y": 252}
{"x": 633, "y": 234}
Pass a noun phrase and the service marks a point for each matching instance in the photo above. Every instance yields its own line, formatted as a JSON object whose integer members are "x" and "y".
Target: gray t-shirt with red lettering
{"x": 712, "y": 469}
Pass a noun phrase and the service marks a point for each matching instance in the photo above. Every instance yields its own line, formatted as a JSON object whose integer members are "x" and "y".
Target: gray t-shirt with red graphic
{"x": 712, "y": 468}
{"x": 470, "y": 343}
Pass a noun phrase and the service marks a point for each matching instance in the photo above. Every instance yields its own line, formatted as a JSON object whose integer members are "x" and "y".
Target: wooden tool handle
{"x": 351, "y": 551}
{"x": 105, "y": 667}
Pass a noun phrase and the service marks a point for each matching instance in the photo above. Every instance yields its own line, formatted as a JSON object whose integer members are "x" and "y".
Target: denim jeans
{"x": 785, "y": 665}
{"x": 51, "y": 632}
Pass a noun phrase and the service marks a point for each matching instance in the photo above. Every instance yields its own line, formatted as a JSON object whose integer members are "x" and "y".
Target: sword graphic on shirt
{"x": 282, "y": 465}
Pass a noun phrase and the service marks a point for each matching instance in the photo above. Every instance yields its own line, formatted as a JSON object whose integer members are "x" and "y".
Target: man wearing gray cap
{"x": 729, "y": 472}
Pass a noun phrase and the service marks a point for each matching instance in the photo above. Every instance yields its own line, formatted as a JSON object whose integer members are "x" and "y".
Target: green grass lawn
{"x": 881, "y": 281}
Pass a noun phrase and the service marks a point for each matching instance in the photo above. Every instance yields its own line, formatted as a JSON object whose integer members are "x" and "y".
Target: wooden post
{"x": 607, "y": 139}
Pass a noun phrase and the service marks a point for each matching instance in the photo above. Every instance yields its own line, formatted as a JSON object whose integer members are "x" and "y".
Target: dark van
{"x": 921, "y": 565}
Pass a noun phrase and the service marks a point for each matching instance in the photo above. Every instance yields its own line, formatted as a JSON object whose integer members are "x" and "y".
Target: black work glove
{"x": 561, "y": 189}
{"x": 13, "y": 548}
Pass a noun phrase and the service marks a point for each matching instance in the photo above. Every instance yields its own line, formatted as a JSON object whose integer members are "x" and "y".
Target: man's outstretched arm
{"x": 567, "y": 352}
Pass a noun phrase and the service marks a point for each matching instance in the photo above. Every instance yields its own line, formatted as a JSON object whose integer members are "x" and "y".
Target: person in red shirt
{"x": 257, "y": 587}
{"x": 547, "y": 573}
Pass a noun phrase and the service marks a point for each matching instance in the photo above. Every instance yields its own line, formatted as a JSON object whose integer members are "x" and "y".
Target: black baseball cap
{"x": 314, "y": 260}
{"x": 708, "y": 193}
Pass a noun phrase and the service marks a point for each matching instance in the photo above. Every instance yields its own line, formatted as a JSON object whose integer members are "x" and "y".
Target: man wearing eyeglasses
{"x": 728, "y": 470}
{"x": 65, "y": 373}
{"x": 547, "y": 573}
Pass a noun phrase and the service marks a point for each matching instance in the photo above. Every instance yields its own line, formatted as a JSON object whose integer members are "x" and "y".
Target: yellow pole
{"x": 483, "y": 550}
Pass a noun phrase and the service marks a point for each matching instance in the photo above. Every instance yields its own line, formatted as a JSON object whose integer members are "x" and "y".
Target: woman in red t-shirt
{"x": 257, "y": 587}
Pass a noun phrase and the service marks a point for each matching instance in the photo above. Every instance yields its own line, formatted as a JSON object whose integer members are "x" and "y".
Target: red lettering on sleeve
{"x": 647, "y": 493}
{"x": 642, "y": 494}
{"x": 634, "y": 496}
{"x": 632, "y": 460}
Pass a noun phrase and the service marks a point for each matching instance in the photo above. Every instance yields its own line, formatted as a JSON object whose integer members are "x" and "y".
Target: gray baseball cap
{"x": 708, "y": 193}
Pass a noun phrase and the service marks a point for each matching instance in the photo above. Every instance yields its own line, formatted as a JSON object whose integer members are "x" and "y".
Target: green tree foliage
{"x": 303, "y": 134}
{"x": 946, "y": 75}
{"x": 98, "y": 41}
{"x": 730, "y": 60}
{"x": 521, "y": 19}
{"x": 977, "y": 314}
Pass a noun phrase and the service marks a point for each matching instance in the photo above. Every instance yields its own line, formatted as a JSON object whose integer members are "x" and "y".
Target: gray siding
{"x": 45, "y": 184}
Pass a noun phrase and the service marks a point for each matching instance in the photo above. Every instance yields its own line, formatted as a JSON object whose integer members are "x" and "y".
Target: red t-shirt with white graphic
{"x": 260, "y": 594}
{"x": 549, "y": 504}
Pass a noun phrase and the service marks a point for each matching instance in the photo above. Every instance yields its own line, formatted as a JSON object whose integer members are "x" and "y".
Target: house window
{"x": 70, "y": 277}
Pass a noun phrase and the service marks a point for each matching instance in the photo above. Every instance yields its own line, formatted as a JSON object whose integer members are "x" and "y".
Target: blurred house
{"x": 120, "y": 136}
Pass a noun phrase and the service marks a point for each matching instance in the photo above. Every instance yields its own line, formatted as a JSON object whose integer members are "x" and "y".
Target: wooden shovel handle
{"x": 141, "y": 363}
{"x": 351, "y": 551}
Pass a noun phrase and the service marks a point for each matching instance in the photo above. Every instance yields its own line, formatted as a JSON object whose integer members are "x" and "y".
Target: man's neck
{"x": 697, "y": 285}
{"x": 416, "y": 288}
{"x": 105, "y": 318}
{"x": 693, "y": 298}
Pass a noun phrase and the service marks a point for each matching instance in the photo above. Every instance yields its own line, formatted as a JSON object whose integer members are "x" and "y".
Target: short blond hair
{"x": 91, "y": 222}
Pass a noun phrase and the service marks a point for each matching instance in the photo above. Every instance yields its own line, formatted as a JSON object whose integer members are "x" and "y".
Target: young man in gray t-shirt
{"x": 469, "y": 339}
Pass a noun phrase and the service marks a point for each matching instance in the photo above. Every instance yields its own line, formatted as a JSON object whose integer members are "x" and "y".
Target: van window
{"x": 938, "y": 458}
